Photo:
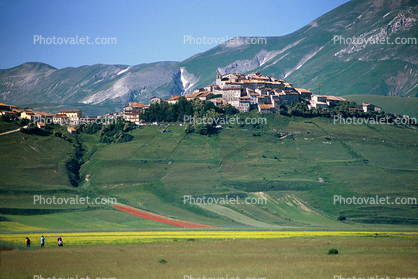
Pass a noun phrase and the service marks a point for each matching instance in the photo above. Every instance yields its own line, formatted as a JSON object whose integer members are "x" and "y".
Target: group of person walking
{"x": 59, "y": 240}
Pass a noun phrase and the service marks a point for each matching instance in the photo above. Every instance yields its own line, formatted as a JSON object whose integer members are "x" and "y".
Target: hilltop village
{"x": 253, "y": 91}
{"x": 245, "y": 93}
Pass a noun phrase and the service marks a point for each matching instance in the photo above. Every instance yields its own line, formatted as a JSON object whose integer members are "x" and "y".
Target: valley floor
{"x": 387, "y": 256}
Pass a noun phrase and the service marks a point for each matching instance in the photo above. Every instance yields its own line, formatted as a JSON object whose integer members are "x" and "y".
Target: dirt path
{"x": 8, "y": 132}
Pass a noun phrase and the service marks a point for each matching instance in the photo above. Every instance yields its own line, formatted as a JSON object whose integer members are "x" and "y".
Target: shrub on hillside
{"x": 342, "y": 218}
{"x": 332, "y": 251}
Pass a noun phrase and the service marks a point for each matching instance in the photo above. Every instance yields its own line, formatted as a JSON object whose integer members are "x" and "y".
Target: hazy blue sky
{"x": 145, "y": 31}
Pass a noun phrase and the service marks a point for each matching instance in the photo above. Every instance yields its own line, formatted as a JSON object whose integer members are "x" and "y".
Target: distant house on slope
{"x": 155, "y": 100}
{"x": 133, "y": 111}
{"x": 71, "y": 130}
{"x": 60, "y": 119}
{"x": 5, "y": 107}
{"x": 73, "y": 115}
{"x": 173, "y": 100}
{"x": 9, "y": 114}
{"x": 266, "y": 108}
{"x": 41, "y": 125}
{"x": 304, "y": 93}
{"x": 370, "y": 107}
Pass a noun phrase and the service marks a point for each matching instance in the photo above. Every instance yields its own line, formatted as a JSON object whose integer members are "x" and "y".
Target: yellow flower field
{"x": 95, "y": 238}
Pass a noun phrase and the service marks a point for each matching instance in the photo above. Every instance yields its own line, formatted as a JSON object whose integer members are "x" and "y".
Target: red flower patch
{"x": 159, "y": 218}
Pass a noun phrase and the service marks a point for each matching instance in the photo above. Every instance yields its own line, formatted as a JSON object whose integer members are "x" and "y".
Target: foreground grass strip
{"x": 97, "y": 238}
{"x": 296, "y": 257}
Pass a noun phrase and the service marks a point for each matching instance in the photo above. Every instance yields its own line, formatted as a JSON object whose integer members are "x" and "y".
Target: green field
{"x": 300, "y": 257}
{"x": 298, "y": 175}
{"x": 403, "y": 106}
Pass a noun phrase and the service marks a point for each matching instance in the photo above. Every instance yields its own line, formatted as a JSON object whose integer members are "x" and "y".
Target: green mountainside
{"x": 307, "y": 57}
{"x": 292, "y": 169}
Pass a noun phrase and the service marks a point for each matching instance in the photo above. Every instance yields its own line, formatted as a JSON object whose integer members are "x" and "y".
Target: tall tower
{"x": 219, "y": 80}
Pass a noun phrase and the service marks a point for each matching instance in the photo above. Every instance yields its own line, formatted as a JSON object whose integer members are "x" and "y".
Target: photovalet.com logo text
{"x": 77, "y": 40}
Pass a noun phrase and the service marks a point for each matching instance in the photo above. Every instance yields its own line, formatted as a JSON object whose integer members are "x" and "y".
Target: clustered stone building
{"x": 244, "y": 92}
{"x": 41, "y": 119}
{"x": 255, "y": 91}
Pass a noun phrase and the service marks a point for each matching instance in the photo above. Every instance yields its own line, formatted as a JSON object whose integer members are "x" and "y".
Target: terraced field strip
{"x": 159, "y": 218}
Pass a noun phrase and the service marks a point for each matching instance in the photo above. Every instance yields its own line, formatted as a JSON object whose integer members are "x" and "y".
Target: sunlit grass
{"x": 96, "y": 238}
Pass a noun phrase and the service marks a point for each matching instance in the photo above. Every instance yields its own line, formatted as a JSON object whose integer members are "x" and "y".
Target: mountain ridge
{"x": 307, "y": 57}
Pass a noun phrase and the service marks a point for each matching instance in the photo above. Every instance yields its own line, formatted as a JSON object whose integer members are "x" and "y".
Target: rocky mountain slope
{"x": 342, "y": 49}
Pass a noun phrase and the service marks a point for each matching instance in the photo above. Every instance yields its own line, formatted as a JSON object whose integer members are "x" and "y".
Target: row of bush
{"x": 111, "y": 133}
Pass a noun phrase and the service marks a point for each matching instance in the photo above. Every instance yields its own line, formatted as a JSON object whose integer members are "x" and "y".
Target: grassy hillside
{"x": 403, "y": 106}
{"x": 297, "y": 164}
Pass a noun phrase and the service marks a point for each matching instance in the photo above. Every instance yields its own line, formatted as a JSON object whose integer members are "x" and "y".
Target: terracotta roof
{"x": 236, "y": 82}
{"x": 204, "y": 93}
{"x": 231, "y": 88}
{"x": 193, "y": 95}
{"x": 173, "y": 98}
{"x": 9, "y": 112}
{"x": 266, "y": 106}
{"x": 334, "y": 98}
{"x": 136, "y": 105}
{"x": 60, "y": 115}
{"x": 44, "y": 114}
{"x": 303, "y": 90}
{"x": 42, "y": 124}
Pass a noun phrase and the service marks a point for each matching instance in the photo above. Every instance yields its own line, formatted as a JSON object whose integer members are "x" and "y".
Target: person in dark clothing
{"x": 60, "y": 241}
{"x": 27, "y": 242}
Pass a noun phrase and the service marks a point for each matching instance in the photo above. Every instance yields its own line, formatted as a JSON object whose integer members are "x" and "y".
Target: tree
{"x": 184, "y": 108}
{"x": 229, "y": 110}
